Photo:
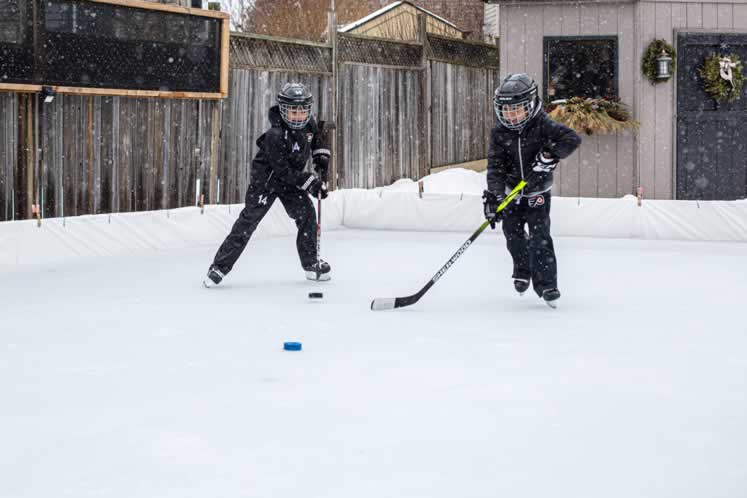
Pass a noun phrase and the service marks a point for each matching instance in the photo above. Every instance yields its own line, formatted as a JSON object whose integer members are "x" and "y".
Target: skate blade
{"x": 209, "y": 284}
{"x": 323, "y": 277}
{"x": 552, "y": 304}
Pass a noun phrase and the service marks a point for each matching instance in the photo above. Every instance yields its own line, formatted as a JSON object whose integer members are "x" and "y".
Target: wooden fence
{"x": 401, "y": 108}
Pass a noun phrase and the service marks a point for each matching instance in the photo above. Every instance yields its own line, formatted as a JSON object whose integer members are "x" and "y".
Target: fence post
{"x": 332, "y": 37}
{"x": 215, "y": 152}
{"x": 425, "y": 74}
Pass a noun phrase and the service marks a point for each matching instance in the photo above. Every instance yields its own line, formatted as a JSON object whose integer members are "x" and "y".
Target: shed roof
{"x": 373, "y": 15}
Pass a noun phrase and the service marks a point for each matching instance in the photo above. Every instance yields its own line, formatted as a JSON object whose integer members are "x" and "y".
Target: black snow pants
{"x": 299, "y": 207}
{"x": 533, "y": 253}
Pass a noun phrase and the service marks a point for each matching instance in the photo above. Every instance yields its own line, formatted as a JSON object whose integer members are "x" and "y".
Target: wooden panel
{"x": 607, "y": 178}
{"x": 8, "y": 153}
{"x": 694, "y": 15}
{"x": 626, "y": 142}
{"x": 725, "y": 15}
{"x": 570, "y": 175}
{"x": 503, "y": 44}
{"x": 143, "y": 4}
{"x": 679, "y": 15}
{"x": 461, "y": 113}
{"x": 710, "y": 15}
{"x": 516, "y": 30}
{"x": 381, "y": 137}
{"x": 571, "y": 20}
{"x": 663, "y": 94}
{"x": 740, "y": 16}
{"x": 608, "y": 19}
{"x": 588, "y": 153}
{"x": 552, "y": 19}
{"x": 647, "y": 111}
{"x": 588, "y": 19}
{"x": 534, "y": 49}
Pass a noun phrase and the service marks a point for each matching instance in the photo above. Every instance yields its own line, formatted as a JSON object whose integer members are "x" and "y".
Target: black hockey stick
{"x": 389, "y": 303}
{"x": 318, "y": 235}
{"x": 324, "y": 126}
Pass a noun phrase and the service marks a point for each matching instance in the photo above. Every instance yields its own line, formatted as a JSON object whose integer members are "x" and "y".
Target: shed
{"x": 689, "y": 146}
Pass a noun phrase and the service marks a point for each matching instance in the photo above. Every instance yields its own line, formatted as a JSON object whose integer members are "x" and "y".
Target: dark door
{"x": 711, "y": 158}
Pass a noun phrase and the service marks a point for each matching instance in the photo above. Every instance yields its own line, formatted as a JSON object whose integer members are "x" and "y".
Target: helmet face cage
{"x": 528, "y": 105}
{"x": 292, "y": 122}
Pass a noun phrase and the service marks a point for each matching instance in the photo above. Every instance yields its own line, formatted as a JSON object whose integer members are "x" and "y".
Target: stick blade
{"x": 383, "y": 303}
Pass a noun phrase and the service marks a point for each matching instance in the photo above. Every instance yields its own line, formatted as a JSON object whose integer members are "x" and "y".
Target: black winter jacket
{"x": 512, "y": 153}
{"x": 283, "y": 154}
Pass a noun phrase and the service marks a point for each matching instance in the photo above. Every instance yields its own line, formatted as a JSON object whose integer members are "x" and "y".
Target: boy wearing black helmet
{"x": 526, "y": 145}
{"x": 278, "y": 173}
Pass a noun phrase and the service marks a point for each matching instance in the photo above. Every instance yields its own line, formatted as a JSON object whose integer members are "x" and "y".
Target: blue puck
{"x": 292, "y": 346}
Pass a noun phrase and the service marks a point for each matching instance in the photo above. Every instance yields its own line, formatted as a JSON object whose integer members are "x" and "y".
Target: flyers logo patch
{"x": 536, "y": 201}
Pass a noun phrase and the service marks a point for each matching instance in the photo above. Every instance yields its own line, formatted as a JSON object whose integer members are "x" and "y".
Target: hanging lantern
{"x": 663, "y": 66}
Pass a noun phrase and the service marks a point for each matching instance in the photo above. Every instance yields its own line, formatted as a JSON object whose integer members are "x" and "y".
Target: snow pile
{"x": 452, "y": 202}
{"x": 450, "y": 181}
{"x": 572, "y": 217}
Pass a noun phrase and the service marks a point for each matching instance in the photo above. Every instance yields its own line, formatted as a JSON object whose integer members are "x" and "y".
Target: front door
{"x": 711, "y": 137}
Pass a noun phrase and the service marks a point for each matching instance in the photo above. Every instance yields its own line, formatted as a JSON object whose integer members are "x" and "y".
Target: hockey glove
{"x": 315, "y": 187}
{"x": 490, "y": 203}
{"x": 545, "y": 162}
{"x": 320, "y": 158}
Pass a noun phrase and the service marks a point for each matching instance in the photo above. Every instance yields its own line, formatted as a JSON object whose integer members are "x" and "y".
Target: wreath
{"x": 723, "y": 76}
{"x": 590, "y": 116}
{"x": 649, "y": 63}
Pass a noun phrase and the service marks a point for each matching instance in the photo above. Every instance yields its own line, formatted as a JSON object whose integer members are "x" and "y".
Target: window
{"x": 580, "y": 66}
{"x": 12, "y": 21}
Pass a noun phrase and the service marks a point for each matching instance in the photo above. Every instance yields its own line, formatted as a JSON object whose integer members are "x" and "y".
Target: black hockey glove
{"x": 315, "y": 186}
{"x": 490, "y": 203}
{"x": 544, "y": 162}
{"x": 321, "y": 163}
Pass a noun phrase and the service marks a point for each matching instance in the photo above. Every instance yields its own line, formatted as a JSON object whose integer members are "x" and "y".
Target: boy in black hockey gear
{"x": 526, "y": 145}
{"x": 278, "y": 173}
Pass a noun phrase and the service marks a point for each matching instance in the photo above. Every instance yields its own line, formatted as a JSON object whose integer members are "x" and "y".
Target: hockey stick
{"x": 325, "y": 127}
{"x": 318, "y": 235}
{"x": 389, "y": 303}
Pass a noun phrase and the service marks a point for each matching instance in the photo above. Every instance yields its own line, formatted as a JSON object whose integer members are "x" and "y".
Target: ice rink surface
{"x": 123, "y": 377}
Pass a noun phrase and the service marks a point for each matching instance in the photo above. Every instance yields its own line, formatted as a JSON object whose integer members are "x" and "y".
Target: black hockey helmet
{"x": 516, "y": 101}
{"x": 295, "y": 97}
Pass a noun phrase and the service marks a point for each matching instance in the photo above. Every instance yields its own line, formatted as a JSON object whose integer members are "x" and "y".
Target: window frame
{"x": 545, "y": 58}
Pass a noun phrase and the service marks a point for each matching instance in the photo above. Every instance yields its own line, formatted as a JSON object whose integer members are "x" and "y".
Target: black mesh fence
{"x": 16, "y": 42}
{"x": 378, "y": 51}
{"x": 98, "y": 45}
{"x": 462, "y": 52}
{"x": 252, "y": 51}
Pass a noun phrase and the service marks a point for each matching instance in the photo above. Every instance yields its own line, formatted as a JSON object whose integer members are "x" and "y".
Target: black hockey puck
{"x": 315, "y": 295}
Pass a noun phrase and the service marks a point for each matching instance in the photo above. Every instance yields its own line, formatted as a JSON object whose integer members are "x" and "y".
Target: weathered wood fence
{"x": 401, "y": 108}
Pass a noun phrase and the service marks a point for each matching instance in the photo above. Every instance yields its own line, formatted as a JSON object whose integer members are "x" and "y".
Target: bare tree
{"x": 304, "y": 19}
{"x": 239, "y": 11}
